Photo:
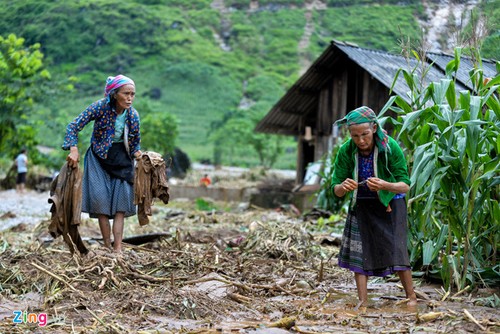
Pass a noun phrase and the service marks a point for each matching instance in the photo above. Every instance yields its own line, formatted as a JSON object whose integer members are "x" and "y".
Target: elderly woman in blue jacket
{"x": 107, "y": 185}
{"x": 371, "y": 166}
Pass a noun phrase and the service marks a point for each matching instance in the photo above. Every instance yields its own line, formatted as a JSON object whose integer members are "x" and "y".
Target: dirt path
{"x": 28, "y": 208}
{"x": 305, "y": 40}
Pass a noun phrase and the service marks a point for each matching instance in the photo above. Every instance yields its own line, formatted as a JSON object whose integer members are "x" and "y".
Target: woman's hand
{"x": 73, "y": 157}
{"x": 138, "y": 155}
{"x": 346, "y": 186}
{"x": 376, "y": 184}
{"x": 349, "y": 185}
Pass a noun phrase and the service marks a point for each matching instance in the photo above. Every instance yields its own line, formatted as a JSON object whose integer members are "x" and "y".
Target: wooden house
{"x": 343, "y": 78}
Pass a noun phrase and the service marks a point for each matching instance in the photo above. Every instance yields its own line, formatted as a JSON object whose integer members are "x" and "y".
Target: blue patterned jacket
{"x": 104, "y": 118}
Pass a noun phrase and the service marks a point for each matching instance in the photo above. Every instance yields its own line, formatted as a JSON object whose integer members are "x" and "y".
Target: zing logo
{"x": 21, "y": 317}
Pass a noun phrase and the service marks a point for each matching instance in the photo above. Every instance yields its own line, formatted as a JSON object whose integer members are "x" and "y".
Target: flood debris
{"x": 279, "y": 240}
{"x": 238, "y": 271}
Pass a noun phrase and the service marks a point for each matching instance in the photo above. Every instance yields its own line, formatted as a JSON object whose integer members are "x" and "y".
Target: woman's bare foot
{"x": 117, "y": 250}
{"x": 361, "y": 304}
{"x": 107, "y": 243}
{"x": 412, "y": 303}
{"x": 412, "y": 300}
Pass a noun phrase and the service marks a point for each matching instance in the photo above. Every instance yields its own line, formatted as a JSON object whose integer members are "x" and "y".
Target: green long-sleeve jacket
{"x": 394, "y": 169}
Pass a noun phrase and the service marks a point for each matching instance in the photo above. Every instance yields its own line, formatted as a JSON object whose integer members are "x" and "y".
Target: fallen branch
{"x": 471, "y": 318}
{"x": 117, "y": 330}
{"x": 461, "y": 291}
{"x": 302, "y": 331}
{"x": 445, "y": 295}
{"x": 149, "y": 278}
{"x": 59, "y": 279}
{"x": 246, "y": 287}
{"x": 239, "y": 298}
{"x": 386, "y": 316}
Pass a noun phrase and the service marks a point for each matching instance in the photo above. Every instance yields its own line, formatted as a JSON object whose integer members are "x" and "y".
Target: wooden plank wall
{"x": 349, "y": 88}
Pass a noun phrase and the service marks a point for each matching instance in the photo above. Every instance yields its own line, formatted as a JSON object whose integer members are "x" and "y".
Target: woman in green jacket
{"x": 372, "y": 167}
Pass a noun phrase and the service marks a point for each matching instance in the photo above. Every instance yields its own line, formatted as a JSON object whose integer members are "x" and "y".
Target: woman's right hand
{"x": 343, "y": 188}
{"x": 73, "y": 157}
{"x": 349, "y": 185}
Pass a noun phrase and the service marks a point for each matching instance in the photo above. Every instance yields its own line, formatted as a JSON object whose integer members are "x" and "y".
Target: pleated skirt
{"x": 374, "y": 242}
{"x": 103, "y": 194}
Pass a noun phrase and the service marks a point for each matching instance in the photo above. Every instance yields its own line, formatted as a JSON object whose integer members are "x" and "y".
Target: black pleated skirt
{"x": 374, "y": 242}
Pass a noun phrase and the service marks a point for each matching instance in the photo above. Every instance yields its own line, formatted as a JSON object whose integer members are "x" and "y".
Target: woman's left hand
{"x": 138, "y": 155}
{"x": 376, "y": 184}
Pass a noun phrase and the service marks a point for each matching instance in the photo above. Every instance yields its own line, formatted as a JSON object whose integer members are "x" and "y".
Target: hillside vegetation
{"x": 203, "y": 62}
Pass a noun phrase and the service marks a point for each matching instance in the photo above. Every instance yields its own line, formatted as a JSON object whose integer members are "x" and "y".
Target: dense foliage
{"x": 21, "y": 76}
{"x": 194, "y": 60}
{"x": 452, "y": 142}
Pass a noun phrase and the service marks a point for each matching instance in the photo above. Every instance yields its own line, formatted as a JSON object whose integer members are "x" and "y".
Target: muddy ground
{"x": 207, "y": 267}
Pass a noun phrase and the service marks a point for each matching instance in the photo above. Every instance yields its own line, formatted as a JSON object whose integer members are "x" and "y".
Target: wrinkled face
{"x": 362, "y": 135}
{"x": 124, "y": 97}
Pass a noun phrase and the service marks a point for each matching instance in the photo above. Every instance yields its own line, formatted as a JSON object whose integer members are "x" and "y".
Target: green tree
{"x": 235, "y": 133}
{"x": 159, "y": 130}
{"x": 21, "y": 77}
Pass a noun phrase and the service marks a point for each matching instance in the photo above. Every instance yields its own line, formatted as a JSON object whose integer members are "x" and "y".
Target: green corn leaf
{"x": 435, "y": 186}
{"x": 440, "y": 89}
{"x": 494, "y": 105}
{"x": 454, "y": 270}
{"x": 421, "y": 158}
{"x": 427, "y": 250}
{"x": 443, "y": 235}
{"x": 473, "y": 131}
{"x": 403, "y": 107}
{"x": 461, "y": 145}
{"x": 410, "y": 119}
{"x": 492, "y": 165}
{"x": 454, "y": 64}
{"x": 475, "y": 122}
{"x": 494, "y": 81}
{"x": 387, "y": 105}
{"x": 498, "y": 144}
{"x": 396, "y": 76}
{"x": 451, "y": 96}
{"x": 464, "y": 99}
{"x": 409, "y": 80}
{"x": 428, "y": 170}
{"x": 490, "y": 93}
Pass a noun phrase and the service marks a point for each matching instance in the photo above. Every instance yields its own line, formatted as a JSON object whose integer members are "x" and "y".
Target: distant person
{"x": 372, "y": 167}
{"x": 107, "y": 185}
{"x": 205, "y": 180}
{"x": 21, "y": 163}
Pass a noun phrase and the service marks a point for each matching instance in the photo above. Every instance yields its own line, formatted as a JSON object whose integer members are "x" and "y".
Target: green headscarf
{"x": 366, "y": 115}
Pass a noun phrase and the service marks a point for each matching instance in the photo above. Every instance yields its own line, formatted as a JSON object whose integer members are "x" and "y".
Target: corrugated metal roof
{"x": 466, "y": 64}
{"x": 383, "y": 66}
{"x": 302, "y": 98}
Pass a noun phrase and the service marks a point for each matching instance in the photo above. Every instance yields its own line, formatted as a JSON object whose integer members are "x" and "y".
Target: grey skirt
{"x": 374, "y": 242}
{"x": 103, "y": 194}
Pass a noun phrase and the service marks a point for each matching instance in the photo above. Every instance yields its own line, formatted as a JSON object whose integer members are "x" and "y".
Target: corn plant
{"x": 452, "y": 142}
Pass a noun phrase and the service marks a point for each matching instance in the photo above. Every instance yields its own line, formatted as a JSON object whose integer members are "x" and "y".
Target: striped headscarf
{"x": 366, "y": 115}
{"x": 113, "y": 83}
